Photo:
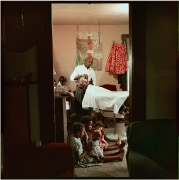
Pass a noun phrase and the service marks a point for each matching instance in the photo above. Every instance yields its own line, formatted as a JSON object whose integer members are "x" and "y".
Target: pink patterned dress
{"x": 117, "y": 59}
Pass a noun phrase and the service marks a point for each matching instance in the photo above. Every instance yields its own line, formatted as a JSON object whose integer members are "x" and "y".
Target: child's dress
{"x": 97, "y": 150}
{"x": 103, "y": 143}
{"x": 86, "y": 161}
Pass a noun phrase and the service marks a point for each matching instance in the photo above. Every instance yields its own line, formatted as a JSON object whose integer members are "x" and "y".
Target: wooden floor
{"x": 109, "y": 169}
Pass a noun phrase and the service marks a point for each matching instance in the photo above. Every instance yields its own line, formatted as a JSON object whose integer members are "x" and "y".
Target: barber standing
{"x": 83, "y": 75}
{"x": 84, "y": 72}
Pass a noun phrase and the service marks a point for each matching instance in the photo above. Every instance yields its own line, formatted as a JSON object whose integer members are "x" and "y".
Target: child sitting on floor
{"x": 81, "y": 155}
{"x": 88, "y": 122}
{"x": 97, "y": 150}
{"x": 103, "y": 143}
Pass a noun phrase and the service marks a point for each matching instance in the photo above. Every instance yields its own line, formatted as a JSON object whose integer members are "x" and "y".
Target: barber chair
{"x": 120, "y": 129}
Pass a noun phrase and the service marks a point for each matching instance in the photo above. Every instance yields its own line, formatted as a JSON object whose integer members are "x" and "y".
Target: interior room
{"x": 70, "y": 20}
{"x": 39, "y": 50}
{"x": 89, "y": 18}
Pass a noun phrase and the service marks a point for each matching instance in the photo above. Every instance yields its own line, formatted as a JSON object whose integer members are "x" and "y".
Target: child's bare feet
{"x": 121, "y": 154}
{"x": 117, "y": 143}
{"x": 121, "y": 146}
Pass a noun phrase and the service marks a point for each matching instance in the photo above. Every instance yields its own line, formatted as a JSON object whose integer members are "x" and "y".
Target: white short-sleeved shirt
{"x": 86, "y": 161}
{"x": 81, "y": 69}
{"x": 77, "y": 145}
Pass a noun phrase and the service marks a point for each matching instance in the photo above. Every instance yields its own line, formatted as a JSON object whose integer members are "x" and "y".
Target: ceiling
{"x": 90, "y": 13}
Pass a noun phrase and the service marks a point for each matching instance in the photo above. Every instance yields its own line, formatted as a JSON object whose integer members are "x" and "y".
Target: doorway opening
{"x": 111, "y": 20}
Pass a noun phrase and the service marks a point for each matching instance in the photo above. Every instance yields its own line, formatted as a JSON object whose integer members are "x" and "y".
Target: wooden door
{"x": 16, "y": 115}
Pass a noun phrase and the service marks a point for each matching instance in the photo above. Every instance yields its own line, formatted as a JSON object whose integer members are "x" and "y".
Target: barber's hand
{"x": 91, "y": 81}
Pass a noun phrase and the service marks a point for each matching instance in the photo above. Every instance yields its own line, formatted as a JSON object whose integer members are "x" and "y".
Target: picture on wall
{"x": 89, "y": 44}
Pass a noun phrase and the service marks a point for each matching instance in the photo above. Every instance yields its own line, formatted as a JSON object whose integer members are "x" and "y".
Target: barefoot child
{"x": 88, "y": 122}
{"x": 81, "y": 155}
{"x": 97, "y": 150}
{"x": 103, "y": 143}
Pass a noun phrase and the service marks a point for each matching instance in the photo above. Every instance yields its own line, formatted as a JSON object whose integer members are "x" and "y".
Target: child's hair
{"x": 77, "y": 126}
{"x": 96, "y": 135}
{"x": 97, "y": 116}
{"x": 86, "y": 119}
{"x": 99, "y": 123}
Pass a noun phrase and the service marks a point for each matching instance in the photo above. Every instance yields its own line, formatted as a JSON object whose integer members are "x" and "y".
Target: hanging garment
{"x": 117, "y": 59}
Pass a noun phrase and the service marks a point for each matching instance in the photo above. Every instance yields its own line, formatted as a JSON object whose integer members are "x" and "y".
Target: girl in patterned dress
{"x": 103, "y": 143}
{"x": 81, "y": 155}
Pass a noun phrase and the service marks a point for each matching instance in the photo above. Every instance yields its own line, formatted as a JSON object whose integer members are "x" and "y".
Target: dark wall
{"x": 138, "y": 85}
{"x": 154, "y": 50}
{"x": 27, "y": 25}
